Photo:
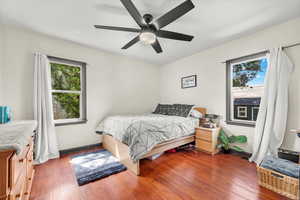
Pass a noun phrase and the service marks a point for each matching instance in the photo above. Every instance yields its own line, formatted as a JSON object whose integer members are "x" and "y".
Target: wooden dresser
{"x": 16, "y": 173}
{"x": 207, "y": 139}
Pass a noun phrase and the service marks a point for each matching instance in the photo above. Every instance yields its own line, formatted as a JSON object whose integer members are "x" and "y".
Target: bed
{"x": 130, "y": 148}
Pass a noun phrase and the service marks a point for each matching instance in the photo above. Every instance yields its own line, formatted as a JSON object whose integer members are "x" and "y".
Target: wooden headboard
{"x": 202, "y": 110}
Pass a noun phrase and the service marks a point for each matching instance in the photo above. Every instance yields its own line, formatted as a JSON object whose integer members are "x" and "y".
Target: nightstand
{"x": 207, "y": 139}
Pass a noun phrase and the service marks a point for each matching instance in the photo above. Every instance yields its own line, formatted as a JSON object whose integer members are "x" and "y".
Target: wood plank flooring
{"x": 173, "y": 176}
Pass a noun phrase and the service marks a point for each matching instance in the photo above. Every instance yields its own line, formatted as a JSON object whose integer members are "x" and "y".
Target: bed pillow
{"x": 182, "y": 110}
{"x": 163, "y": 109}
{"x": 196, "y": 114}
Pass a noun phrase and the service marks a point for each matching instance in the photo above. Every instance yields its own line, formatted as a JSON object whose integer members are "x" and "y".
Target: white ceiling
{"x": 212, "y": 22}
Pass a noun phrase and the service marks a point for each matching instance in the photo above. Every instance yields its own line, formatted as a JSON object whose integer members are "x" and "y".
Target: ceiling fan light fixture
{"x": 149, "y": 30}
{"x": 147, "y": 37}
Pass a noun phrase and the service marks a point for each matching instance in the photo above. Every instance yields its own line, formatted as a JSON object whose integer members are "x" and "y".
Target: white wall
{"x": 1, "y": 62}
{"x": 211, "y": 90}
{"x": 115, "y": 84}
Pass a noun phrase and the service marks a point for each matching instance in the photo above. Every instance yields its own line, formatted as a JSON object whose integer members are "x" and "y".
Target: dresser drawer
{"x": 19, "y": 165}
{"x": 29, "y": 165}
{"x": 204, "y": 145}
{"x": 29, "y": 161}
{"x": 18, "y": 190}
{"x": 204, "y": 135}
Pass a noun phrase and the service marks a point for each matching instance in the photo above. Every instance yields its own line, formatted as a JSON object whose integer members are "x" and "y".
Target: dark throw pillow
{"x": 182, "y": 110}
{"x": 163, "y": 109}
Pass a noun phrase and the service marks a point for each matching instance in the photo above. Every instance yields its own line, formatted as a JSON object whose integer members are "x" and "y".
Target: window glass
{"x": 246, "y": 86}
{"x": 65, "y": 77}
{"x": 68, "y": 91}
{"x": 66, "y": 105}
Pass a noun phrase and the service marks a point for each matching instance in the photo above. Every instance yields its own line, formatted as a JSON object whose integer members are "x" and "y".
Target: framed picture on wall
{"x": 189, "y": 81}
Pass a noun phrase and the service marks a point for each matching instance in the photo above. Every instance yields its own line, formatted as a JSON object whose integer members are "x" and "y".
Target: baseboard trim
{"x": 76, "y": 149}
{"x": 244, "y": 155}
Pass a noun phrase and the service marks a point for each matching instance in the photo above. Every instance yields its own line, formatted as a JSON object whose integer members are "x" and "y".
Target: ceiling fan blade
{"x": 115, "y": 28}
{"x": 133, "y": 12}
{"x": 174, "y": 14}
{"x": 156, "y": 46}
{"x": 132, "y": 42}
{"x": 174, "y": 35}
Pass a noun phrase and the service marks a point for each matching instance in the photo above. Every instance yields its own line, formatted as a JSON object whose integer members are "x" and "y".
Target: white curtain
{"x": 272, "y": 117}
{"x": 46, "y": 143}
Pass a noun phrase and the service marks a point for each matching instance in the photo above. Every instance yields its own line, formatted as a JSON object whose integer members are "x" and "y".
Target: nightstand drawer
{"x": 204, "y": 135}
{"x": 204, "y": 145}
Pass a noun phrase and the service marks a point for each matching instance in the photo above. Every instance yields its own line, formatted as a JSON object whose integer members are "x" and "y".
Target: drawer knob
{"x": 27, "y": 145}
{"x": 18, "y": 195}
{"x": 21, "y": 160}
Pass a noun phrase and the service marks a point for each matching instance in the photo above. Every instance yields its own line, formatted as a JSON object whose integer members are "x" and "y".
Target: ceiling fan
{"x": 149, "y": 31}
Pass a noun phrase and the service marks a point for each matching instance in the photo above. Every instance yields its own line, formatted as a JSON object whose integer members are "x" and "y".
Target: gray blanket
{"x": 282, "y": 166}
{"x": 141, "y": 133}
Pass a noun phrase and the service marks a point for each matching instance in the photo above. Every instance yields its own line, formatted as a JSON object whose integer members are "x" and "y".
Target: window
{"x": 68, "y": 91}
{"x": 245, "y": 86}
{"x": 242, "y": 111}
{"x": 255, "y": 113}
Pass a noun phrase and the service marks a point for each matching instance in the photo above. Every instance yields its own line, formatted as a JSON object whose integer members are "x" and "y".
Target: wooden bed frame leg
{"x": 121, "y": 151}
{"x": 134, "y": 167}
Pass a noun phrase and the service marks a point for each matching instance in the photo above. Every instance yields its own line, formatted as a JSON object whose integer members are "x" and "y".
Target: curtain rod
{"x": 265, "y": 51}
{"x": 291, "y": 45}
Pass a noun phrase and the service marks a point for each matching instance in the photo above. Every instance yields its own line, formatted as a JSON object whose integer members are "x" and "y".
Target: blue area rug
{"x": 95, "y": 165}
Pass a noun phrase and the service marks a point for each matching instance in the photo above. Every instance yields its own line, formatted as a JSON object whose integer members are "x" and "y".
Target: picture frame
{"x": 189, "y": 81}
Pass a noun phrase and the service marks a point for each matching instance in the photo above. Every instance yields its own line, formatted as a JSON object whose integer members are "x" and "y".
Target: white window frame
{"x": 81, "y": 92}
{"x": 230, "y": 100}
{"x": 244, "y": 111}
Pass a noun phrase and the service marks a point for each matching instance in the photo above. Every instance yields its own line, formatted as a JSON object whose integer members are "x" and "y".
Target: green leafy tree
{"x": 245, "y": 72}
{"x": 65, "y": 77}
{"x": 66, "y": 106}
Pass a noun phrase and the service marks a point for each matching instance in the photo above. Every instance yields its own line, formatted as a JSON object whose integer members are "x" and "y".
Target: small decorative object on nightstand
{"x": 211, "y": 121}
{"x": 207, "y": 139}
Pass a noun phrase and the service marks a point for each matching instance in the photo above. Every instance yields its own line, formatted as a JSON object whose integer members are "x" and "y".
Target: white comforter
{"x": 142, "y": 132}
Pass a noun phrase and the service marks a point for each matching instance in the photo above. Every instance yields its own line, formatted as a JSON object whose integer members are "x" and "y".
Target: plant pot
{"x": 226, "y": 151}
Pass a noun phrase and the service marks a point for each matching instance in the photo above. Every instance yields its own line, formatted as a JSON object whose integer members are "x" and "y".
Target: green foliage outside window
{"x": 245, "y": 72}
{"x": 67, "y": 78}
{"x": 66, "y": 106}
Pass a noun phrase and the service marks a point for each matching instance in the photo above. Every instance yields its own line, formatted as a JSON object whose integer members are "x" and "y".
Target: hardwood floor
{"x": 173, "y": 176}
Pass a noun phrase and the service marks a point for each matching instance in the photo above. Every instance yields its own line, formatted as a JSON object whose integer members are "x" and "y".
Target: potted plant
{"x": 227, "y": 142}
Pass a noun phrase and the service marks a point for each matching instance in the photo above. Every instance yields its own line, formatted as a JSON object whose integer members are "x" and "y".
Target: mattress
{"x": 142, "y": 132}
